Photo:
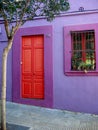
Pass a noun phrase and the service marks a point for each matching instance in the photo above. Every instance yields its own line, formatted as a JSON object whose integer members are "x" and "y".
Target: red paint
{"x": 33, "y": 67}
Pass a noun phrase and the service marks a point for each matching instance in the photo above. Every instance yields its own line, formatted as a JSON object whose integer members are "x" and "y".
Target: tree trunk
{"x": 3, "y": 94}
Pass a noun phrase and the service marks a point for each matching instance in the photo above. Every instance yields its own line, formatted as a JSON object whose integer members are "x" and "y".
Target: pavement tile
{"x": 39, "y": 118}
{"x": 16, "y": 127}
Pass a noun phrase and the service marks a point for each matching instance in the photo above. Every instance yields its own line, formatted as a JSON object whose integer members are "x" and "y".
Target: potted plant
{"x": 75, "y": 62}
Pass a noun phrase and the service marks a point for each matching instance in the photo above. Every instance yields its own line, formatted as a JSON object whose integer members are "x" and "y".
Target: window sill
{"x": 81, "y": 73}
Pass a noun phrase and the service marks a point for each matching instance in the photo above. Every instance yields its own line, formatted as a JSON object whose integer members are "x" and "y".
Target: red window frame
{"x": 68, "y": 49}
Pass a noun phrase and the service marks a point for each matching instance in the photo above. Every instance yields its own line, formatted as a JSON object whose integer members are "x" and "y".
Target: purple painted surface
{"x": 67, "y": 49}
{"x": 48, "y": 69}
{"x": 75, "y": 93}
{"x": 87, "y": 4}
{"x": 78, "y": 93}
{"x": 3, "y": 43}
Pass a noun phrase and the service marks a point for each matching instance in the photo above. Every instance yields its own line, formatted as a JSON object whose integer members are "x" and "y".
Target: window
{"x": 83, "y": 51}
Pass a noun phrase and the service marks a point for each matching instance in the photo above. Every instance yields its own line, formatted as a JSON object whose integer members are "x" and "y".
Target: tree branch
{"x": 23, "y": 12}
{"x": 6, "y": 23}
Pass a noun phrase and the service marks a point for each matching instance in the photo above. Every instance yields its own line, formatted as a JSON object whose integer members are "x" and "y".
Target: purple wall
{"x": 78, "y": 93}
{"x": 46, "y": 31}
{"x": 86, "y": 4}
{"x": 3, "y": 43}
{"x": 75, "y": 93}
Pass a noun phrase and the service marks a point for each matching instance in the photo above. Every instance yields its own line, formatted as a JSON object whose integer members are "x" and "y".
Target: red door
{"x": 33, "y": 67}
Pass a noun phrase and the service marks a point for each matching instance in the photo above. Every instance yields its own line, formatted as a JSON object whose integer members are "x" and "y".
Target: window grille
{"x": 83, "y": 50}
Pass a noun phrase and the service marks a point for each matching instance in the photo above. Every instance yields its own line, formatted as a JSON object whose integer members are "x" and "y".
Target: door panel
{"x": 38, "y": 60}
{"x": 27, "y": 61}
{"x": 33, "y": 67}
{"x": 38, "y": 89}
{"x": 26, "y": 89}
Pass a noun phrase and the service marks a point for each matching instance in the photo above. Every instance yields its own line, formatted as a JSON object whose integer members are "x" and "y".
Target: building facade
{"x": 55, "y": 64}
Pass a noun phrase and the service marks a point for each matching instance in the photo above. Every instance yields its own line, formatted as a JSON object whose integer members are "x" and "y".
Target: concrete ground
{"x": 38, "y": 118}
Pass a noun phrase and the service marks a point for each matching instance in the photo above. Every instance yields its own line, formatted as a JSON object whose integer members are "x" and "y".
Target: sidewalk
{"x": 38, "y": 118}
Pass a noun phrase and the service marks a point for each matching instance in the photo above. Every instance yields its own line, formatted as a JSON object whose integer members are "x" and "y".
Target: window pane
{"x": 76, "y": 38}
{"x": 89, "y": 40}
{"x": 83, "y": 51}
{"x": 90, "y": 60}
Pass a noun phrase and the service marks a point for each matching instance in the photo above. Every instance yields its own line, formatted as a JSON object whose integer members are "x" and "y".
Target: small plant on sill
{"x": 79, "y": 65}
{"x": 75, "y": 62}
{"x": 85, "y": 66}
